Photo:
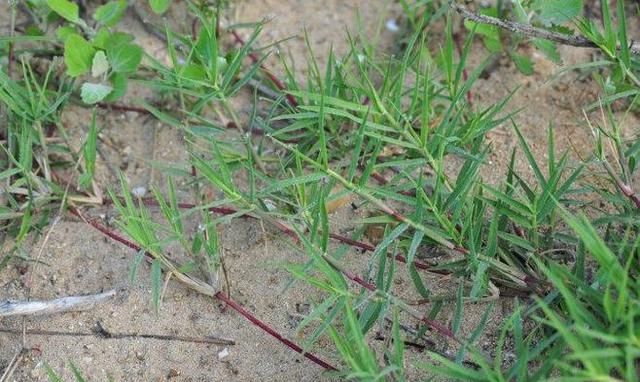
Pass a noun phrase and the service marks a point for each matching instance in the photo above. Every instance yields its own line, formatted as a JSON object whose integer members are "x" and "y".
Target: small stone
{"x": 561, "y": 87}
{"x": 139, "y": 191}
{"x": 173, "y": 373}
{"x": 223, "y": 354}
{"x": 271, "y": 206}
{"x": 392, "y": 25}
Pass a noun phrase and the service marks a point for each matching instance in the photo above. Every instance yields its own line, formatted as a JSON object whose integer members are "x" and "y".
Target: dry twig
{"x": 13, "y": 365}
{"x": 64, "y": 304}
{"x": 531, "y": 31}
{"x": 100, "y": 332}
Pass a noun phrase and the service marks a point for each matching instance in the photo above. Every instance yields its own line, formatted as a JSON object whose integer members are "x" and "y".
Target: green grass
{"x": 575, "y": 319}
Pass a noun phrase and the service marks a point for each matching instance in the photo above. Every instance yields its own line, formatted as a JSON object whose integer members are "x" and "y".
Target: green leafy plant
{"x": 108, "y": 55}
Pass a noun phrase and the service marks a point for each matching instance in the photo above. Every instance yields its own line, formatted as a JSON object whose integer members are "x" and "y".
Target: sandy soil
{"x": 76, "y": 259}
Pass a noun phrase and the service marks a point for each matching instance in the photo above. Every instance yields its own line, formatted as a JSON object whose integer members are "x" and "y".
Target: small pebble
{"x": 271, "y": 206}
{"x": 223, "y": 354}
{"x": 392, "y": 25}
{"x": 139, "y": 191}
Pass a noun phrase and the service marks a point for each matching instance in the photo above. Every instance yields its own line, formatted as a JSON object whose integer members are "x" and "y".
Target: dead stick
{"x": 13, "y": 365}
{"x": 65, "y": 304}
{"x": 122, "y": 107}
{"x": 119, "y": 336}
{"x": 531, "y": 31}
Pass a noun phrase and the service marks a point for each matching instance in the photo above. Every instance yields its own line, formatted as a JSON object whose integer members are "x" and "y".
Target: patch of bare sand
{"x": 77, "y": 260}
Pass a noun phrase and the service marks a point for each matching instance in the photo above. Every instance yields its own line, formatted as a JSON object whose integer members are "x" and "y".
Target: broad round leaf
{"x": 119, "y": 83}
{"x": 78, "y": 55}
{"x": 100, "y": 64}
{"x": 93, "y": 93}
{"x": 68, "y": 10}
{"x": 110, "y": 13}
{"x": 557, "y": 12}
{"x": 159, "y": 6}
{"x": 124, "y": 58}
